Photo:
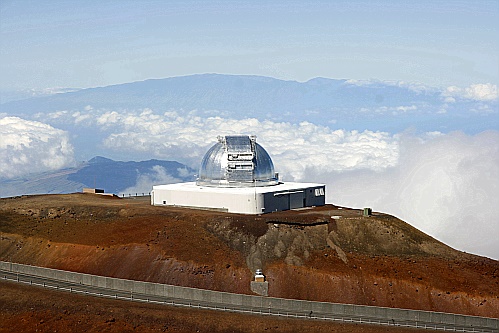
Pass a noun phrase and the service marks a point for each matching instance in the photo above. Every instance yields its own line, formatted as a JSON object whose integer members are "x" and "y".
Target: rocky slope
{"x": 327, "y": 253}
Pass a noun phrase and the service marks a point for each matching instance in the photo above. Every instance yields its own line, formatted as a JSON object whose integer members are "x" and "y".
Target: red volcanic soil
{"x": 326, "y": 253}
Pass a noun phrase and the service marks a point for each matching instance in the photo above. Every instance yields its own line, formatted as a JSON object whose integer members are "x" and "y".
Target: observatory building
{"x": 237, "y": 176}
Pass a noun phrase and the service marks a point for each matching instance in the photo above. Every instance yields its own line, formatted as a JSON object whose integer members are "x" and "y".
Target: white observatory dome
{"x": 237, "y": 161}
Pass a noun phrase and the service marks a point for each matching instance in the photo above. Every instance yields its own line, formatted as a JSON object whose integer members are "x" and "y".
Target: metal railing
{"x": 136, "y": 194}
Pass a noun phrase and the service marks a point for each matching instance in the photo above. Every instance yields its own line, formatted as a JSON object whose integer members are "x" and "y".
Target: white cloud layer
{"x": 446, "y": 186}
{"x": 294, "y": 147}
{"x": 31, "y": 146}
{"x": 477, "y": 92}
{"x": 393, "y": 110}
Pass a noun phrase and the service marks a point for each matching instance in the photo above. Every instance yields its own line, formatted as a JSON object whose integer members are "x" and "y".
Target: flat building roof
{"x": 281, "y": 187}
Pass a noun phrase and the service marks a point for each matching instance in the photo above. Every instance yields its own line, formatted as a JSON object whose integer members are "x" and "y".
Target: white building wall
{"x": 231, "y": 201}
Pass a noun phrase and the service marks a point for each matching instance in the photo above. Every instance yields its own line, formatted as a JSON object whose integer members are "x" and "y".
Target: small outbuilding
{"x": 93, "y": 190}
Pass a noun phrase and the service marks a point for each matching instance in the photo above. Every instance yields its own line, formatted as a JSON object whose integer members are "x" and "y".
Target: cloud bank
{"x": 445, "y": 185}
{"x": 477, "y": 92}
{"x": 31, "y": 147}
{"x": 294, "y": 147}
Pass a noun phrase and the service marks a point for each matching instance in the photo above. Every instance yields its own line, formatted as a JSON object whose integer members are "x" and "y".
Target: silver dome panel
{"x": 236, "y": 161}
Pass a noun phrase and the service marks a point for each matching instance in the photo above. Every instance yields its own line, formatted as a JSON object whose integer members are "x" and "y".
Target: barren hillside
{"x": 326, "y": 253}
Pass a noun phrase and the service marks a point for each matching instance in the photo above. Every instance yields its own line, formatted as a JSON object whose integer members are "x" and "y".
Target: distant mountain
{"x": 350, "y": 105}
{"x": 103, "y": 173}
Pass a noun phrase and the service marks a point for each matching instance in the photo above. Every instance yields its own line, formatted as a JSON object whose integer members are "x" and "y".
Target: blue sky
{"x": 47, "y": 44}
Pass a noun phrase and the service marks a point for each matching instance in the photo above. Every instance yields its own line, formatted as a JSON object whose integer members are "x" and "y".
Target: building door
{"x": 295, "y": 200}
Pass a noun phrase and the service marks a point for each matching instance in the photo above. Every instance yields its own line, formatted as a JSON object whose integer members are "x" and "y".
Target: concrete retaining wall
{"x": 260, "y": 303}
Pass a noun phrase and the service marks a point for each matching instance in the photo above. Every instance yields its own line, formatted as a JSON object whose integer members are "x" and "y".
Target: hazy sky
{"x": 47, "y": 44}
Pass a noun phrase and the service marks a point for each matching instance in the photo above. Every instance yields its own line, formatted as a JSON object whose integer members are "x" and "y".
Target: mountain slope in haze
{"x": 103, "y": 173}
{"x": 227, "y": 93}
{"x": 117, "y": 176}
{"x": 342, "y": 103}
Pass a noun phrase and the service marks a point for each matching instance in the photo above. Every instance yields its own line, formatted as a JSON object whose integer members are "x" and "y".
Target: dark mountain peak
{"x": 115, "y": 176}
